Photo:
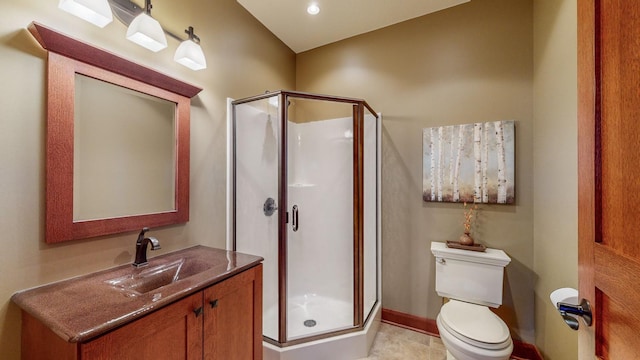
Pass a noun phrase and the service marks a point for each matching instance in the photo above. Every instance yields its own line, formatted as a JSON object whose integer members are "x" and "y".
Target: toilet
{"x": 472, "y": 281}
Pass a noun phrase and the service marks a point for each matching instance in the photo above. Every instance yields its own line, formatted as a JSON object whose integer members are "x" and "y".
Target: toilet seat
{"x": 475, "y": 325}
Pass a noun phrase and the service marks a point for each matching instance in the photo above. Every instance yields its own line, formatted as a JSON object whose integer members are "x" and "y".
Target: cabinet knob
{"x": 213, "y": 303}
{"x": 198, "y": 311}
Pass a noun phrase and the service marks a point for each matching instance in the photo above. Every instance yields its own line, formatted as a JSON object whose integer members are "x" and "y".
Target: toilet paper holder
{"x": 582, "y": 310}
{"x": 564, "y": 300}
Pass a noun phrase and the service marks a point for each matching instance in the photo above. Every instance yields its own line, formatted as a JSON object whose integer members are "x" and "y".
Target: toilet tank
{"x": 470, "y": 276}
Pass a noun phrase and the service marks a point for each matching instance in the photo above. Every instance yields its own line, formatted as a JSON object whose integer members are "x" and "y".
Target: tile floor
{"x": 396, "y": 343}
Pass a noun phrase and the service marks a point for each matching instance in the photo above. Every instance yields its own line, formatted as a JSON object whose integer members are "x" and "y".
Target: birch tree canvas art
{"x": 469, "y": 163}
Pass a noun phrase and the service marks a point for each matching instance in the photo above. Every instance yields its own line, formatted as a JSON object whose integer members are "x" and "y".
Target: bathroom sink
{"x": 142, "y": 281}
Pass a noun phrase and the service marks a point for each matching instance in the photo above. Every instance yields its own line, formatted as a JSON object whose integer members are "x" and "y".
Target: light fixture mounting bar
{"x": 193, "y": 37}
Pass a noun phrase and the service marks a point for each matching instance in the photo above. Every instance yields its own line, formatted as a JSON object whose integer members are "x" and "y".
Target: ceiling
{"x": 337, "y": 20}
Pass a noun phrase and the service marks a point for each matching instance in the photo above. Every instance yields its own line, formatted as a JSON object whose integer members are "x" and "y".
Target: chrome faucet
{"x": 141, "y": 248}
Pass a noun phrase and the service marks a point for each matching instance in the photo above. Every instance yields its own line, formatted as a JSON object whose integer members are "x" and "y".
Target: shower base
{"x": 310, "y": 315}
{"x": 329, "y": 315}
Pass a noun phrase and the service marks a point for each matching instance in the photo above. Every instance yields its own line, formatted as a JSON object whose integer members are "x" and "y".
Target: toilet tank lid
{"x": 490, "y": 256}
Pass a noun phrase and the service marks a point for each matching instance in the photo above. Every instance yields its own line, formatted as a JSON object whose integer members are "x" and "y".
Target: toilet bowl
{"x": 473, "y": 332}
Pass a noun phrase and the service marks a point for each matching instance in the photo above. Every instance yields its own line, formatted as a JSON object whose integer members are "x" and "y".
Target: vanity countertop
{"x": 86, "y": 306}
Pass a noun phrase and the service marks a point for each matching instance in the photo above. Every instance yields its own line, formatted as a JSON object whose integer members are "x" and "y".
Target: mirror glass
{"x": 124, "y": 151}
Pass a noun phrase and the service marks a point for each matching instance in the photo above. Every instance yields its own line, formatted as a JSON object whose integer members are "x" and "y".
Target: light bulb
{"x": 313, "y": 9}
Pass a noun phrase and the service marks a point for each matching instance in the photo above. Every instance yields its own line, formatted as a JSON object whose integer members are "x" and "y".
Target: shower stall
{"x": 304, "y": 194}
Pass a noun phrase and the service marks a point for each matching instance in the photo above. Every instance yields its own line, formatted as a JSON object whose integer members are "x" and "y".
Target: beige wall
{"x": 244, "y": 59}
{"x": 555, "y": 169}
{"x": 470, "y": 63}
{"x": 483, "y": 61}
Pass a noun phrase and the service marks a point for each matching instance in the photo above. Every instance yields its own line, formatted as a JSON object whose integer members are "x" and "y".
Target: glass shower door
{"x": 256, "y": 138}
{"x": 320, "y": 230}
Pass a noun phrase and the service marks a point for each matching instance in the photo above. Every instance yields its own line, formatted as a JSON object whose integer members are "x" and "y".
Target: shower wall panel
{"x": 321, "y": 184}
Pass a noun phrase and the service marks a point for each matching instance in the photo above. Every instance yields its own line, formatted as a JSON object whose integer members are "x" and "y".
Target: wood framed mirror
{"x": 103, "y": 178}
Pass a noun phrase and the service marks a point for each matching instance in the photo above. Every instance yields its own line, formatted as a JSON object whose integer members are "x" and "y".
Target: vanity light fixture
{"x": 146, "y": 31}
{"x": 313, "y": 9}
{"x": 97, "y": 12}
{"x": 189, "y": 53}
{"x": 142, "y": 29}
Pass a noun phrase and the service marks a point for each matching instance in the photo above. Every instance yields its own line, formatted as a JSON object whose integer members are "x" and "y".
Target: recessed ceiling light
{"x": 313, "y": 9}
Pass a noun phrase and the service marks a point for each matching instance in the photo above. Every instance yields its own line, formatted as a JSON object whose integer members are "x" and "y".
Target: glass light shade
{"x": 97, "y": 12}
{"x": 147, "y": 32}
{"x": 190, "y": 55}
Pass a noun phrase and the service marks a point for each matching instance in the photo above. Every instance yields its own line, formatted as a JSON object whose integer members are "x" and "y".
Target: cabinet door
{"x": 173, "y": 333}
{"x": 233, "y": 317}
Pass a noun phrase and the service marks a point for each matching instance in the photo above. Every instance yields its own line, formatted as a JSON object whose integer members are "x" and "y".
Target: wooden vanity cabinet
{"x": 233, "y": 318}
{"x": 173, "y": 332}
{"x": 223, "y": 321}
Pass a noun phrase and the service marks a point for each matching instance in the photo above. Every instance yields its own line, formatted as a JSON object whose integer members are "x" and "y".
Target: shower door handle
{"x": 294, "y": 215}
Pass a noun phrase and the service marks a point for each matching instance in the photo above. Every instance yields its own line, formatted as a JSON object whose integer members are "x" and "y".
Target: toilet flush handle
{"x": 441, "y": 261}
